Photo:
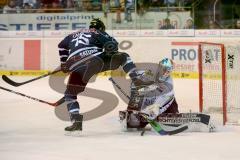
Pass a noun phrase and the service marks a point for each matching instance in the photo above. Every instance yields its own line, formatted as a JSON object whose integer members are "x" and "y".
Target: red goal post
{"x": 219, "y": 80}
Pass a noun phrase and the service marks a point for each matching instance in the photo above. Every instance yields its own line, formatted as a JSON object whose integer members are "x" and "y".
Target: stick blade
{"x": 176, "y": 131}
{"x": 9, "y": 81}
{"x": 157, "y": 127}
{"x": 59, "y": 102}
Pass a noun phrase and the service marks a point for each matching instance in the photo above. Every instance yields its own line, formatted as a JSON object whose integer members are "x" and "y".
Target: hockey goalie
{"x": 158, "y": 102}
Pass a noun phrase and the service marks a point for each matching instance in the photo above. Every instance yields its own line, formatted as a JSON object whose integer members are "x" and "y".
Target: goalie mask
{"x": 165, "y": 69}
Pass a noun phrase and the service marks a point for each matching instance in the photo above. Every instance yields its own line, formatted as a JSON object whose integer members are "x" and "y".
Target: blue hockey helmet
{"x": 165, "y": 68}
{"x": 167, "y": 64}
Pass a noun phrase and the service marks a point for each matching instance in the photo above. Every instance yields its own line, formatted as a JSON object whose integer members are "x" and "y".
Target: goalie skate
{"x": 123, "y": 120}
{"x": 129, "y": 122}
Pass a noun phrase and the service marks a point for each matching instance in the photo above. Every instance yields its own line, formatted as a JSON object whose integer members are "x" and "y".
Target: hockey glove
{"x": 110, "y": 47}
{"x": 64, "y": 67}
{"x": 152, "y": 111}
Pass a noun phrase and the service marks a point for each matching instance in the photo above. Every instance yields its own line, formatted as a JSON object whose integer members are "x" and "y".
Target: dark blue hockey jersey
{"x": 84, "y": 44}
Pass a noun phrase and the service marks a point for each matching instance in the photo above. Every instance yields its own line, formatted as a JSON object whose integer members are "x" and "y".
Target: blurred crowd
{"x": 40, "y": 6}
{"x": 128, "y": 7}
{"x": 32, "y": 6}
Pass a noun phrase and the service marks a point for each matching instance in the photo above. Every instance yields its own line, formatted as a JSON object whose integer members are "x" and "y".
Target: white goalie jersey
{"x": 159, "y": 97}
{"x": 156, "y": 98}
{"x": 159, "y": 103}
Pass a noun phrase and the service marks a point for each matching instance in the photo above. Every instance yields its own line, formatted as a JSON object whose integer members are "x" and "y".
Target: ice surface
{"x": 31, "y": 131}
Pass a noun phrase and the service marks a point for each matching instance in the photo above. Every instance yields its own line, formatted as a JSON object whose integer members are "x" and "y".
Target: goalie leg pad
{"x": 197, "y": 122}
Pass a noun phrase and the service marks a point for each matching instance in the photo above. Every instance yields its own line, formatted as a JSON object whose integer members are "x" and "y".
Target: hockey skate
{"x": 76, "y": 128}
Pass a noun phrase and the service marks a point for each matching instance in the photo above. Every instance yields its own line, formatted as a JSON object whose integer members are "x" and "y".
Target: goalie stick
{"x": 59, "y": 102}
{"x": 16, "y": 84}
{"x": 119, "y": 88}
{"x": 155, "y": 125}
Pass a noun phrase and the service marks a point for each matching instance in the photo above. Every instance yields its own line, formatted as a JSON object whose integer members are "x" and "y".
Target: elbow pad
{"x": 110, "y": 46}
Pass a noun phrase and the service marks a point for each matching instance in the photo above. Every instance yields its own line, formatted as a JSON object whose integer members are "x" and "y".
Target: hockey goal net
{"x": 219, "y": 81}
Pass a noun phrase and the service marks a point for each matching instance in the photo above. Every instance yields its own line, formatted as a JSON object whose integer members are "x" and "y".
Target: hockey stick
{"x": 59, "y": 102}
{"x": 119, "y": 88}
{"x": 16, "y": 84}
{"x": 157, "y": 73}
{"x": 155, "y": 125}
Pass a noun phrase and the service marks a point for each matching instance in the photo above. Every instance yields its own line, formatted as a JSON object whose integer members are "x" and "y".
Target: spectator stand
{"x": 237, "y": 24}
{"x": 11, "y": 7}
{"x": 3, "y": 3}
{"x": 117, "y": 7}
{"x": 121, "y": 13}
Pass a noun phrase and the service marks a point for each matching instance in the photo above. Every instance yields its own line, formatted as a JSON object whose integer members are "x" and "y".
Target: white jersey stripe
{"x": 129, "y": 60}
{"x": 62, "y": 49}
{"x": 74, "y": 110}
{"x": 81, "y": 61}
{"x": 63, "y": 56}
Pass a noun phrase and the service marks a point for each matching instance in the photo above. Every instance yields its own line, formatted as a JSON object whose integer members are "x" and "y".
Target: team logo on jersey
{"x": 87, "y": 52}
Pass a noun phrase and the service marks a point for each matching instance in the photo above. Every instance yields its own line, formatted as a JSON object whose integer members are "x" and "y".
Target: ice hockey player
{"x": 85, "y": 53}
{"x": 159, "y": 103}
{"x": 152, "y": 100}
